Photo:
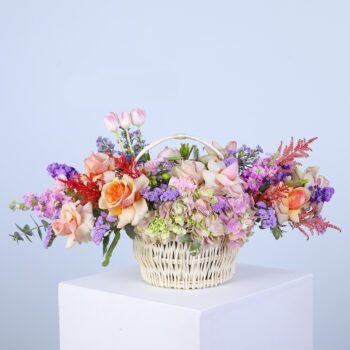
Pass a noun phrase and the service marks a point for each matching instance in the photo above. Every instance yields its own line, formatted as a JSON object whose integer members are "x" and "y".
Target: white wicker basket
{"x": 171, "y": 265}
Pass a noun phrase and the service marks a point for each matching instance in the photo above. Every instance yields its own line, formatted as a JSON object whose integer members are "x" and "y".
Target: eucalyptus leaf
{"x": 186, "y": 239}
{"x": 38, "y": 228}
{"x": 277, "y": 232}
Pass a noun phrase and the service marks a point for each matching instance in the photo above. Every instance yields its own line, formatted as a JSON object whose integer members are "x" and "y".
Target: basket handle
{"x": 178, "y": 137}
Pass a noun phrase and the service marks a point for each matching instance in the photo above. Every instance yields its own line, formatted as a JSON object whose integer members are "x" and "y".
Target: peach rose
{"x": 122, "y": 198}
{"x": 98, "y": 163}
{"x": 75, "y": 222}
{"x": 290, "y": 207}
{"x": 189, "y": 169}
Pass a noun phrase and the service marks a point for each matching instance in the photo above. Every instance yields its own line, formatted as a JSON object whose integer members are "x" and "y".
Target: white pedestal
{"x": 259, "y": 309}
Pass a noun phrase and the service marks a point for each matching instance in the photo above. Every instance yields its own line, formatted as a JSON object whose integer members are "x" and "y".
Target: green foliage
{"x": 277, "y": 232}
{"x": 129, "y": 229}
{"x": 195, "y": 247}
{"x": 110, "y": 249}
{"x": 185, "y": 150}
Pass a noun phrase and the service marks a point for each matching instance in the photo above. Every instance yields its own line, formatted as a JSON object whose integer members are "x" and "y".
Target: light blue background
{"x": 256, "y": 71}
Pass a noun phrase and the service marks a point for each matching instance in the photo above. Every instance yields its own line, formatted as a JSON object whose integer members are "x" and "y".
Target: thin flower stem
{"x": 111, "y": 248}
{"x": 129, "y": 141}
{"x": 120, "y": 142}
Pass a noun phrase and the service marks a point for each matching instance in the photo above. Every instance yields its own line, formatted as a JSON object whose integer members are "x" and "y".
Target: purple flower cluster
{"x": 321, "y": 194}
{"x": 104, "y": 145}
{"x": 103, "y": 224}
{"x": 56, "y": 170}
{"x": 258, "y": 173}
{"x": 229, "y": 161}
{"x": 137, "y": 141}
{"x": 246, "y": 155}
{"x": 220, "y": 205}
{"x": 267, "y": 215}
{"x": 163, "y": 193}
{"x": 49, "y": 235}
{"x": 283, "y": 173}
{"x": 47, "y": 204}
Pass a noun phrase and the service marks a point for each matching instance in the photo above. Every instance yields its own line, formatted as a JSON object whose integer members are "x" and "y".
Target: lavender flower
{"x": 219, "y": 206}
{"x": 55, "y": 170}
{"x": 267, "y": 215}
{"x": 164, "y": 193}
{"x": 103, "y": 224}
{"x": 104, "y": 145}
{"x": 321, "y": 195}
{"x": 50, "y": 236}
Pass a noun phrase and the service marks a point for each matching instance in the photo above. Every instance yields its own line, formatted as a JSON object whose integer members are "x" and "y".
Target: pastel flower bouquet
{"x": 188, "y": 212}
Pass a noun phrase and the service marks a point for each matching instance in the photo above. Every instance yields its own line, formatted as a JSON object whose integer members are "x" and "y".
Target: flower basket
{"x": 187, "y": 211}
{"x": 172, "y": 265}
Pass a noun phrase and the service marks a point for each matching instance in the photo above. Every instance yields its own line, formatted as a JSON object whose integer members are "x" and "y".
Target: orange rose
{"x": 98, "y": 163}
{"x": 121, "y": 197}
{"x": 290, "y": 207}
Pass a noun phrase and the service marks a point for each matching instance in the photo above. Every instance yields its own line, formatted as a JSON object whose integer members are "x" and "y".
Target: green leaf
{"x": 129, "y": 229}
{"x": 45, "y": 224}
{"x": 38, "y": 228}
{"x": 13, "y": 205}
{"x": 277, "y": 232}
{"x": 105, "y": 244}
{"x": 195, "y": 152}
{"x": 186, "y": 239}
{"x": 185, "y": 151}
{"x": 111, "y": 248}
{"x": 26, "y": 230}
{"x": 16, "y": 237}
{"x": 195, "y": 247}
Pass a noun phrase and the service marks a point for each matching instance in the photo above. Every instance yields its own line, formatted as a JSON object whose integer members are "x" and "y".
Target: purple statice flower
{"x": 30, "y": 200}
{"x": 103, "y": 224}
{"x": 49, "y": 235}
{"x": 104, "y": 145}
{"x": 220, "y": 205}
{"x": 283, "y": 173}
{"x": 229, "y": 161}
{"x": 55, "y": 170}
{"x": 164, "y": 193}
{"x": 267, "y": 215}
{"x": 169, "y": 193}
{"x": 321, "y": 194}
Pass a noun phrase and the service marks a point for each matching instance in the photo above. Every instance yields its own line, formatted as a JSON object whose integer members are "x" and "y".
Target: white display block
{"x": 259, "y": 309}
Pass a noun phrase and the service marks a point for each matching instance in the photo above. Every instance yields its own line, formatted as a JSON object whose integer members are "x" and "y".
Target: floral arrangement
{"x": 181, "y": 195}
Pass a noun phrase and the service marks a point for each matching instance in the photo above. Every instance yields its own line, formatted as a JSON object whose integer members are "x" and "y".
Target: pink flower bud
{"x": 138, "y": 117}
{"x": 124, "y": 120}
{"x": 111, "y": 122}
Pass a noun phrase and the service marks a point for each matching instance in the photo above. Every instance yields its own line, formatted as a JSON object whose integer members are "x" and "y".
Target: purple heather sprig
{"x": 50, "y": 236}
{"x": 104, "y": 145}
{"x": 55, "y": 170}
{"x": 163, "y": 193}
{"x": 320, "y": 195}
{"x": 267, "y": 215}
{"x": 103, "y": 225}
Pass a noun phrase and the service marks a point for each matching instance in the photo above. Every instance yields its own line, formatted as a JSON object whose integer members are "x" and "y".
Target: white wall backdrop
{"x": 256, "y": 71}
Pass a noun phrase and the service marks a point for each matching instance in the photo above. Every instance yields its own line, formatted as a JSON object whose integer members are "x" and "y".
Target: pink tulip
{"x": 112, "y": 122}
{"x": 138, "y": 117}
{"x": 124, "y": 120}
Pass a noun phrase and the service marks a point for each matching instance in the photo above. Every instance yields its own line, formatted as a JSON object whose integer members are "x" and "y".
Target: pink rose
{"x": 98, "y": 163}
